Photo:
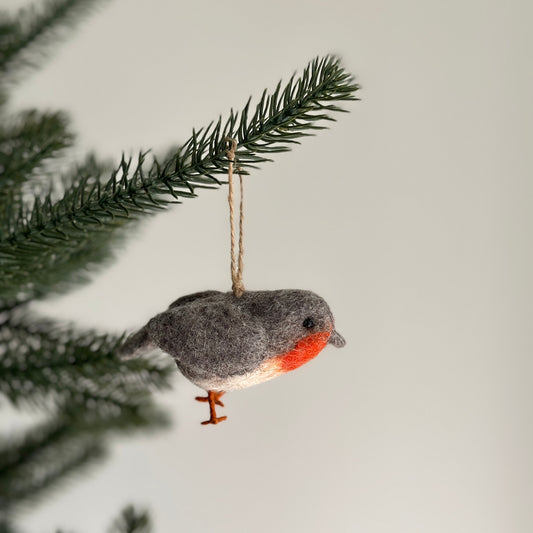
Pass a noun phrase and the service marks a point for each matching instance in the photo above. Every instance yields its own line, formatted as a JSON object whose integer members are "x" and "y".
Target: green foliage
{"x": 85, "y": 391}
{"x": 7, "y": 527}
{"x": 47, "y": 363}
{"x": 57, "y": 233}
{"x": 31, "y": 464}
{"x": 132, "y": 520}
{"x": 69, "y": 379}
{"x": 31, "y": 139}
{"x": 25, "y": 37}
{"x": 57, "y": 226}
{"x": 70, "y": 438}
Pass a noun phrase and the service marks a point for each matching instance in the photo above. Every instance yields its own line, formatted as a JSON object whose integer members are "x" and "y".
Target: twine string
{"x": 236, "y": 260}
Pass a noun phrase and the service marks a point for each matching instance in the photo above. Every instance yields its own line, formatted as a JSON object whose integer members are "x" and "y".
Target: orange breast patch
{"x": 305, "y": 350}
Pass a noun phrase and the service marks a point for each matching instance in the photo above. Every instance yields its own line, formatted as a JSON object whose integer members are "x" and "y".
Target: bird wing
{"x": 192, "y": 297}
{"x": 210, "y": 338}
{"x": 139, "y": 343}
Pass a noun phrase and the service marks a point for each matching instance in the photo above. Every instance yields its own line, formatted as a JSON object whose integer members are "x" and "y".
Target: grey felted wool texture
{"x": 221, "y": 342}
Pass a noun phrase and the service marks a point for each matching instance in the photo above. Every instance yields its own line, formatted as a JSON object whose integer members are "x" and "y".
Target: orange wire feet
{"x": 213, "y": 397}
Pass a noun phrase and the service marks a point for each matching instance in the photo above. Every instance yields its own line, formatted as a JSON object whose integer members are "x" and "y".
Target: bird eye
{"x": 308, "y": 323}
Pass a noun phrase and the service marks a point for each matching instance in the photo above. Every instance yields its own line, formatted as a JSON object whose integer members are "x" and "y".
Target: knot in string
{"x": 236, "y": 260}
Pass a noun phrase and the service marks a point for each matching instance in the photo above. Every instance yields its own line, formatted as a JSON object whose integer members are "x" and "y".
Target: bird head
{"x": 291, "y": 315}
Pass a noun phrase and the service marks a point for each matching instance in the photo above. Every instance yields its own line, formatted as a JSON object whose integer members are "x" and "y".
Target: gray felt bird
{"x": 222, "y": 343}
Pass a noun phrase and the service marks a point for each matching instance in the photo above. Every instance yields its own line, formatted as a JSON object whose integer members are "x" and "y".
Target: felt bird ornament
{"x": 222, "y": 342}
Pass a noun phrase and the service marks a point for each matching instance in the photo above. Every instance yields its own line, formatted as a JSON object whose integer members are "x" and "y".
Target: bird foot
{"x": 214, "y": 420}
{"x": 213, "y": 397}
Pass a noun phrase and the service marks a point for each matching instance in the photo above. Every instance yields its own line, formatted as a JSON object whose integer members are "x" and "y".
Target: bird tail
{"x": 137, "y": 344}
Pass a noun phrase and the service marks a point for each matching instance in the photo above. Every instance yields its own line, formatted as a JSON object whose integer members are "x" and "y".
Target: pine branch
{"x": 3, "y": 97}
{"x": 39, "y": 459}
{"x": 6, "y": 526}
{"x": 26, "y": 36}
{"x": 27, "y": 143}
{"x": 55, "y": 235}
{"x": 47, "y": 364}
{"x": 15, "y": 452}
{"x": 132, "y": 520}
{"x": 49, "y": 454}
{"x": 87, "y": 391}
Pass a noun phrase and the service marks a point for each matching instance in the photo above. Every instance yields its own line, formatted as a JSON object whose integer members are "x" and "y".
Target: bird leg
{"x": 213, "y": 397}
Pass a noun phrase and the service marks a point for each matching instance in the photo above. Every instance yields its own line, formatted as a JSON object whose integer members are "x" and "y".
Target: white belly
{"x": 265, "y": 372}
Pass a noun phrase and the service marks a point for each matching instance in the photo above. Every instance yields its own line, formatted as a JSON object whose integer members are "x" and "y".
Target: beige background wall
{"x": 412, "y": 216}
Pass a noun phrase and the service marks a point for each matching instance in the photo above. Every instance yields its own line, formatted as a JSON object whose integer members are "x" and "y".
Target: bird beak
{"x": 336, "y": 339}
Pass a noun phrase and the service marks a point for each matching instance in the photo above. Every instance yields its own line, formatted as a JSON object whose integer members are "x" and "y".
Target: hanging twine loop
{"x": 236, "y": 260}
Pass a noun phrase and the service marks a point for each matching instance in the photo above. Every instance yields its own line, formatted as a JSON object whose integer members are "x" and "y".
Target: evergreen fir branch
{"x": 30, "y": 489}
{"x": 15, "y": 452}
{"x": 56, "y": 235}
{"x": 27, "y": 143}
{"x": 46, "y": 364}
{"x": 49, "y": 454}
{"x": 87, "y": 390}
{"x": 6, "y": 526}
{"x": 41, "y": 458}
{"x": 8, "y": 305}
{"x": 132, "y": 520}
{"x": 26, "y": 36}
{"x": 3, "y": 97}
